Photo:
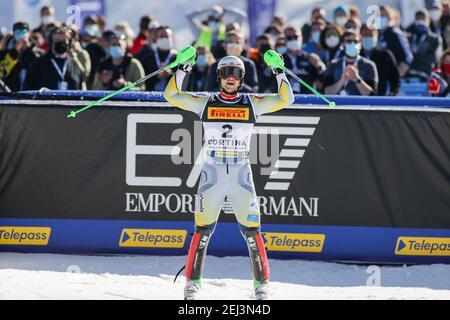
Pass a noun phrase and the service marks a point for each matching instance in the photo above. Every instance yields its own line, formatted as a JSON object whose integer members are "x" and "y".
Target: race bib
{"x": 228, "y": 139}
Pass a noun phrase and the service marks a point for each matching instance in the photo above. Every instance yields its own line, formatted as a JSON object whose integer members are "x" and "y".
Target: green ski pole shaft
{"x": 187, "y": 53}
{"x": 73, "y": 114}
{"x": 318, "y": 94}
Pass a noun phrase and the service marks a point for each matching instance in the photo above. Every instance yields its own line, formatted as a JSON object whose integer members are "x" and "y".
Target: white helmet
{"x": 231, "y": 61}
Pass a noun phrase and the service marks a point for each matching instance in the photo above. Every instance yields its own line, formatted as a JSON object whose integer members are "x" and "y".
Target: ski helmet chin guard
{"x": 232, "y": 66}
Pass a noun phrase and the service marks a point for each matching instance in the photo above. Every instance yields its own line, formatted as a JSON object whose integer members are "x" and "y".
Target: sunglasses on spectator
{"x": 292, "y": 38}
{"x": 228, "y": 72}
{"x": 351, "y": 41}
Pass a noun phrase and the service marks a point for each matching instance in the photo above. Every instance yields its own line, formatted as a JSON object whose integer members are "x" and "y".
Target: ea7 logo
{"x": 296, "y": 133}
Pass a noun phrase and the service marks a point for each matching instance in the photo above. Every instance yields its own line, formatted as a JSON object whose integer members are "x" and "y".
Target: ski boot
{"x": 261, "y": 290}
{"x": 191, "y": 289}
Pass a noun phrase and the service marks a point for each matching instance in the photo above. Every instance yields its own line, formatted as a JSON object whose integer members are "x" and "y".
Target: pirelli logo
{"x": 228, "y": 113}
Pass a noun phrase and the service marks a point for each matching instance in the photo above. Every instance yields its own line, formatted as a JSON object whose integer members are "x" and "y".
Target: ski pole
{"x": 187, "y": 53}
{"x": 273, "y": 60}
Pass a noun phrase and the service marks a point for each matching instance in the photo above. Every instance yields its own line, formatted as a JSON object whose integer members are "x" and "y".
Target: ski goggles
{"x": 236, "y": 73}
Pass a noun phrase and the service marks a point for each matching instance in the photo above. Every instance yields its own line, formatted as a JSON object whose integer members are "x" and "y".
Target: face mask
{"x": 234, "y": 49}
{"x": 341, "y": 21}
{"x": 315, "y": 37}
{"x": 352, "y": 50}
{"x": 384, "y": 22}
{"x": 60, "y": 47}
{"x": 421, "y": 26}
{"x": 163, "y": 44}
{"x": 116, "y": 52}
{"x": 435, "y": 14}
{"x": 332, "y": 41}
{"x": 92, "y": 29}
{"x": 21, "y": 34}
{"x": 293, "y": 45}
{"x": 353, "y": 30}
{"x": 281, "y": 49}
{"x": 369, "y": 43}
{"x": 446, "y": 67}
{"x": 202, "y": 60}
{"x": 48, "y": 19}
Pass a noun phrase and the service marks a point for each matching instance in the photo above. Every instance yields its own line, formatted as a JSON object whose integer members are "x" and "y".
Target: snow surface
{"x": 45, "y": 276}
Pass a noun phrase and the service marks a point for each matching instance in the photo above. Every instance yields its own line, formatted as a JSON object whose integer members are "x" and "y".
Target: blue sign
{"x": 260, "y": 15}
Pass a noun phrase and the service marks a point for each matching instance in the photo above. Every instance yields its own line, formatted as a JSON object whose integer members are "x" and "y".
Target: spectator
{"x": 57, "y": 69}
{"x": 279, "y": 22}
{"x": 313, "y": 45}
{"x": 352, "y": 74}
{"x": 90, "y": 42}
{"x": 330, "y": 41}
{"x": 6, "y": 40}
{"x": 274, "y": 31}
{"x": 150, "y": 45}
{"x": 48, "y": 23}
{"x": 234, "y": 46}
{"x": 266, "y": 79}
{"x": 144, "y": 34}
{"x": 354, "y": 11}
{"x": 316, "y": 14}
{"x": 233, "y": 26}
{"x": 280, "y": 44}
{"x": 48, "y": 16}
{"x": 196, "y": 80}
{"x": 444, "y": 22}
{"x": 389, "y": 78}
{"x": 37, "y": 39}
{"x": 353, "y": 25}
{"x": 79, "y": 54}
{"x": 309, "y": 67}
{"x": 424, "y": 45}
{"x": 439, "y": 83}
{"x": 392, "y": 38}
{"x": 123, "y": 27}
{"x": 211, "y": 31}
{"x": 341, "y": 15}
{"x": 163, "y": 54}
{"x": 16, "y": 61}
{"x": 435, "y": 9}
{"x": 446, "y": 36}
{"x": 119, "y": 69}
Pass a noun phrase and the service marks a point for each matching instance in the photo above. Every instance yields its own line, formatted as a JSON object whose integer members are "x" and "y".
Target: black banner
{"x": 379, "y": 168}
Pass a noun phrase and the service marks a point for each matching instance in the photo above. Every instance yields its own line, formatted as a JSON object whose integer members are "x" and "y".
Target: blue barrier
{"x": 382, "y": 245}
{"x": 299, "y": 99}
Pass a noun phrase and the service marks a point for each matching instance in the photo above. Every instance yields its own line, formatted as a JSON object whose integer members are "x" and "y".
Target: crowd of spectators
{"x": 344, "y": 56}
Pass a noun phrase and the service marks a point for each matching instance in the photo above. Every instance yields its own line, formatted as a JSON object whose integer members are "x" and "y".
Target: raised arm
{"x": 194, "y": 21}
{"x": 274, "y": 102}
{"x": 238, "y": 15}
{"x": 183, "y": 100}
